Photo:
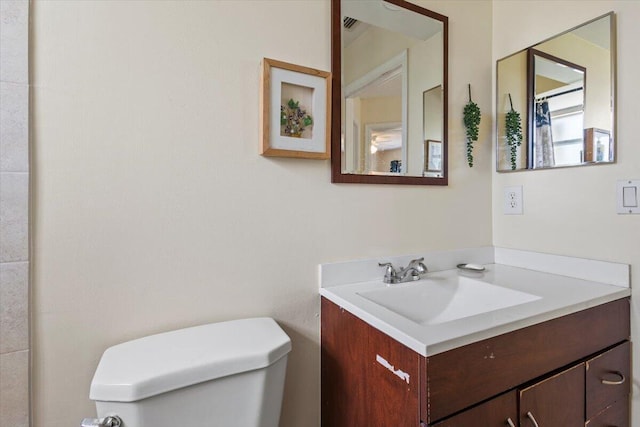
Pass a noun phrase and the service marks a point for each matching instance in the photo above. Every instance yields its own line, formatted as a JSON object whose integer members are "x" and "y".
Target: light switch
{"x": 630, "y": 197}
{"x": 627, "y": 196}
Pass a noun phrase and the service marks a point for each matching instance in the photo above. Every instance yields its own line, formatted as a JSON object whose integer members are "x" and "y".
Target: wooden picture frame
{"x": 283, "y": 87}
{"x": 598, "y": 146}
{"x": 433, "y": 156}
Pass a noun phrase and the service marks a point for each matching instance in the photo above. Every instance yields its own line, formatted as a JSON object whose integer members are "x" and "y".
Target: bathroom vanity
{"x": 560, "y": 359}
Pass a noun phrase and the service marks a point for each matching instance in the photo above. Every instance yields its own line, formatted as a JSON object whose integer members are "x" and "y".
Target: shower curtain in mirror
{"x": 543, "y": 148}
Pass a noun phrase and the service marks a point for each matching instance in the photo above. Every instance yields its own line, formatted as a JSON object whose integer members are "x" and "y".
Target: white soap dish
{"x": 471, "y": 267}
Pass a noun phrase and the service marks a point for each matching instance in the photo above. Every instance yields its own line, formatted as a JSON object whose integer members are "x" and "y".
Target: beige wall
{"x": 572, "y": 211}
{"x": 154, "y": 211}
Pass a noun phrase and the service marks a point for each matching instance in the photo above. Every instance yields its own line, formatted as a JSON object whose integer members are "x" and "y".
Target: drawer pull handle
{"x": 618, "y": 382}
{"x": 511, "y": 424}
{"x": 533, "y": 419}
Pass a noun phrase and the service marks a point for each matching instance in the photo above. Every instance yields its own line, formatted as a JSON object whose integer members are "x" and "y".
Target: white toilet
{"x": 218, "y": 375}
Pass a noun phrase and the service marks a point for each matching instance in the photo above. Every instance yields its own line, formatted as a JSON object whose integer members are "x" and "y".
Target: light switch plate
{"x": 513, "y": 200}
{"x": 628, "y": 196}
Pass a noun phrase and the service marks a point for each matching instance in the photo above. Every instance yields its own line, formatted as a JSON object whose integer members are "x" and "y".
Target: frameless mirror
{"x": 389, "y": 97}
{"x": 563, "y": 92}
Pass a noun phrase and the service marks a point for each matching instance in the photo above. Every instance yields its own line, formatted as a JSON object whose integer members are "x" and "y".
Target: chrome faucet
{"x": 413, "y": 271}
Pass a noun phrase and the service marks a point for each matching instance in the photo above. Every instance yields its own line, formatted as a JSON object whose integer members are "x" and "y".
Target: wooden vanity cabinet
{"x": 552, "y": 370}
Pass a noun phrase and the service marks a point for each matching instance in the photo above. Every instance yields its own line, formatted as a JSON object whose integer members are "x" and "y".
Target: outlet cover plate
{"x": 513, "y": 200}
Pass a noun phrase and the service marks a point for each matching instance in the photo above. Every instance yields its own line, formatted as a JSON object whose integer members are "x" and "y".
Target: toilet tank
{"x": 216, "y": 375}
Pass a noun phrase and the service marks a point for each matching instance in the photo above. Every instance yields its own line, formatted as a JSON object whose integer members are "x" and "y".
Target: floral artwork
{"x": 294, "y": 119}
{"x": 295, "y": 114}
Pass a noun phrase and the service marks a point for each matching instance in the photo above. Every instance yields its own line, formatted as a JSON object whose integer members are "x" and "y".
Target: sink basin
{"x": 438, "y": 300}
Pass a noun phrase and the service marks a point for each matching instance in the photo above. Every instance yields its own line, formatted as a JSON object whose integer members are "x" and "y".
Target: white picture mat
{"x": 317, "y": 143}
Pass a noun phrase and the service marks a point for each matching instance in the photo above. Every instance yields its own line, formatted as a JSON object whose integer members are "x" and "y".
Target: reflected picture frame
{"x": 433, "y": 154}
{"x": 598, "y": 146}
{"x": 291, "y": 96}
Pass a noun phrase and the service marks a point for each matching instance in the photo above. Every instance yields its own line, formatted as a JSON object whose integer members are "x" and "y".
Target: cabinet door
{"x": 608, "y": 379}
{"x": 366, "y": 375}
{"x": 555, "y": 401}
{"x": 501, "y": 411}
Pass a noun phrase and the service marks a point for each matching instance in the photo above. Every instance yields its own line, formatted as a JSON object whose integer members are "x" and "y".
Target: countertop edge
{"x": 433, "y": 349}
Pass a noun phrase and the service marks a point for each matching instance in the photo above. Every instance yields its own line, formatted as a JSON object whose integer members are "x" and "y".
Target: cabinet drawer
{"x": 494, "y": 413}
{"x": 608, "y": 379}
{"x": 614, "y": 416}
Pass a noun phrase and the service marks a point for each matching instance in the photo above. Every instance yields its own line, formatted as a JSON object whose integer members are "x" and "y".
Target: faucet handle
{"x": 390, "y": 274}
{"x": 418, "y": 264}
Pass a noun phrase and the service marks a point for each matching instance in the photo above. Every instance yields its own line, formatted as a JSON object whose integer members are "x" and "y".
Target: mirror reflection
{"x": 563, "y": 90}
{"x": 392, "y": 82}
{"x": 432, "y": 120}
{"x": 558, "y": 88}
{"x": 376, "y": 103}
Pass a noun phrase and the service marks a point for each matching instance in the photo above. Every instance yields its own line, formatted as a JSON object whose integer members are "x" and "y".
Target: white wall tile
{"x": 14, "y": 294}
{"x": 14, "y": 389}
{"x": 14, "y": 41}
{"x": 14, "y": 212}
{"x": 14, "y": 126}
{"x": 14, "y": 216}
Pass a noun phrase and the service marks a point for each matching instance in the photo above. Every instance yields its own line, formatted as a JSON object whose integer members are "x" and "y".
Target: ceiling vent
{"x": 349, "y": 22}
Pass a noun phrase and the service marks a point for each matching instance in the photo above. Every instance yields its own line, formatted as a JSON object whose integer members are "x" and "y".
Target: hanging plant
{"x": 513, "y": 132}
{"x": 471, "y": 114}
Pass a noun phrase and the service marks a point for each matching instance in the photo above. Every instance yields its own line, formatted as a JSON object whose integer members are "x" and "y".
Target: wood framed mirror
{"x": 385, "y": 55}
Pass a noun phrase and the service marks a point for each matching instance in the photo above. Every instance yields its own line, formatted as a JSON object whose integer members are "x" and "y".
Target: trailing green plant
{"x": 513, "y": 128}
{"x": 471, "y": 117}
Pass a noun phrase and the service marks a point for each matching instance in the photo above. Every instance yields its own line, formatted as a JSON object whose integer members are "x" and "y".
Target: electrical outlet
{"x": 513, "y": 200}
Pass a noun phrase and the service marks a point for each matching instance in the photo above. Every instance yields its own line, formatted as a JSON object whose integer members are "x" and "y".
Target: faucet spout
{"x": 418, "y": 265}
{"x": 413, "y": 271}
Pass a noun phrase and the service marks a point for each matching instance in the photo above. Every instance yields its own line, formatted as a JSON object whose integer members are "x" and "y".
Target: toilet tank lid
{"x": 160, "y": 363}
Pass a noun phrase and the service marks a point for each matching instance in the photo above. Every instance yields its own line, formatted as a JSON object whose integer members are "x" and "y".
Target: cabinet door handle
{"x": 533, "y": 419}
{"x": 511, "y": 424}
{"x": 618, "y": 382}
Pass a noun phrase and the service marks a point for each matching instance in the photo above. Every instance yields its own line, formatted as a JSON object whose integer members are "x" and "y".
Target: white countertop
{"x": 559, "y": 295}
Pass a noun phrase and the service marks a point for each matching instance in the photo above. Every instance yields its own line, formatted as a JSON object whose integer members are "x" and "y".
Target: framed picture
{"x": 598, "y": 146}
{"x": 295, "y": 111}
{"x": 432, "y": 156}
